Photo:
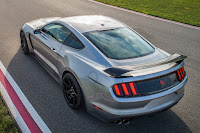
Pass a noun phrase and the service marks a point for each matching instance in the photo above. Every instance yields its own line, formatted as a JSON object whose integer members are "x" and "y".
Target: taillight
{"x": 126, "y": 89}
{"x": 180, "y": 74}
{"x": 118, "y": 91}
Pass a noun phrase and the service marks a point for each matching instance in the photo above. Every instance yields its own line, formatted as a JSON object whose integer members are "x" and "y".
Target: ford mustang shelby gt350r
{"x": 105, "y": 66}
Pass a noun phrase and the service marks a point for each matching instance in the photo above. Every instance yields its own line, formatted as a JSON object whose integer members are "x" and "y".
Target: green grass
{"x": 7, "y": 124}
{"x": 185, "y": 11}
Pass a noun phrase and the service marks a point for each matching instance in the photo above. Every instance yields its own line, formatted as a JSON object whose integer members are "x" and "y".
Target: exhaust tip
{"x": 123, "y": 121}
{"x": 126, "y": 121}
{"x": 118, "y": 122}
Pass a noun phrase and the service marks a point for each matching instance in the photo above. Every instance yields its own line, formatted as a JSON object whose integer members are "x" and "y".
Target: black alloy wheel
{"x": 72, "y": 91}
{"x": 24, "y": 44}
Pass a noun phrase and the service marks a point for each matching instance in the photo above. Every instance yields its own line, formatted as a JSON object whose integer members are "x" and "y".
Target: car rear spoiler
{"x": 120, "y": 72}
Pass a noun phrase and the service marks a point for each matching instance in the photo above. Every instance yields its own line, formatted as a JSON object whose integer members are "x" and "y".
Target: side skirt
{"x": 48, "y": 69}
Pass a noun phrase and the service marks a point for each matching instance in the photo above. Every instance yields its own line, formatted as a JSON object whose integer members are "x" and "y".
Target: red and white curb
{"x": 149, "y": 16}
{"x": 23, "y": 112}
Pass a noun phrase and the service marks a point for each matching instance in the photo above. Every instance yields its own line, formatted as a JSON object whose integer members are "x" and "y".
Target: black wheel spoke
{"x": 69, "y": 82}
{"x": 74, "y": 100}
{"x": 23, "y": 46}
{"x": 66, "y": 85}
{"x": 66, "y": 92}
{"x": 24, "y": 43}
{"x": 74, "y": 94}
{"x": 70, "y": 99}
{"x": 73, "y": 85}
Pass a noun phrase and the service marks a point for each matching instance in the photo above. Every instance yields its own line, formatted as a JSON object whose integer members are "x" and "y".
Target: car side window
{"x": 74, "y": 42}
{"x": 57, "y": 32}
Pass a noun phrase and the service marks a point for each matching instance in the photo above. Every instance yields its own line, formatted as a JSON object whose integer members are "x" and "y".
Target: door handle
{"x": 54, "y": 50}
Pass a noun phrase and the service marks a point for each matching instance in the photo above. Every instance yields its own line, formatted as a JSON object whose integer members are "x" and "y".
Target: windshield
{"x": 120, "y": 43}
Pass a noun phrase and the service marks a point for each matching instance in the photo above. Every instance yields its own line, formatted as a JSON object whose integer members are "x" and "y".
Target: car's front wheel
{"x": 72, "y": 92}
{"x": 24, "y": 44}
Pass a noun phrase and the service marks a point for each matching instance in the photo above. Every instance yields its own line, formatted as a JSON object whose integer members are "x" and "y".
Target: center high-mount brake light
{"x": 126, "y": 89}
{"x": 180, "y": 74}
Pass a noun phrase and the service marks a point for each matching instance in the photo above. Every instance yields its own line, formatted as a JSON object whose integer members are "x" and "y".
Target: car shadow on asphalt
{"x": 45, "y": 94}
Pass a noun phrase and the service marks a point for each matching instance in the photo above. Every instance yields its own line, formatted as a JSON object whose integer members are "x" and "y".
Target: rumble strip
{"x": 23, "y": 112}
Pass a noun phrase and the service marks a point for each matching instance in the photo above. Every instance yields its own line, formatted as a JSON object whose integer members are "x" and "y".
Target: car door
{"x": 47, "y": 44}
{"x": 71, "y": 47}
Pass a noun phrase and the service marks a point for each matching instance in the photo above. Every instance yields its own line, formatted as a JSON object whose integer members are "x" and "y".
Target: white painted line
{"x": 16, "y": 115}
{"x": 41, "y": 124}
{"x": 145, "y": 15}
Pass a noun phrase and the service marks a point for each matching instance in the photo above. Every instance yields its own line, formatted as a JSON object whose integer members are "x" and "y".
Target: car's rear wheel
{"x": 24, "y": 44}
{"x": 72, "y": 92}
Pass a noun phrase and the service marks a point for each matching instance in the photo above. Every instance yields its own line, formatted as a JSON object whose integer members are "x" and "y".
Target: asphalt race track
{"x": 44, "y": 92}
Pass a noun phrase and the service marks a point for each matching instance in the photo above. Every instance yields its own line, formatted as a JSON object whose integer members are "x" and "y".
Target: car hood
{"x": 42, "y": 21}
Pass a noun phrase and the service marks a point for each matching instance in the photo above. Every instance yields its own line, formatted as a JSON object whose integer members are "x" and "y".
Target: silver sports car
{"x": 105, "y": 66}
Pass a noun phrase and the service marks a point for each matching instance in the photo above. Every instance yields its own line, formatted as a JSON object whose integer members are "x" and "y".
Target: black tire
{"x": 24, "y": 44}
{"x": 72, "y": 92}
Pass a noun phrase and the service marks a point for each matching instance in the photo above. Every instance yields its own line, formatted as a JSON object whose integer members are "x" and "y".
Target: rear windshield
{"x": 120, "y": 43}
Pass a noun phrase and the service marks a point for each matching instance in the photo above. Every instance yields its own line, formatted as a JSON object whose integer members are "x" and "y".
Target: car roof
{"x": 92, "y": 23}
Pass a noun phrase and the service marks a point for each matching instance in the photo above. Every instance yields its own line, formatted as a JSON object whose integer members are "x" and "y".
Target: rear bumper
{"x": 126, "y": 108}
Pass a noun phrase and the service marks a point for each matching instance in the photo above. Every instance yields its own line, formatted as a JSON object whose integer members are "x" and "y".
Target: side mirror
{"x": 37, "y": 31}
